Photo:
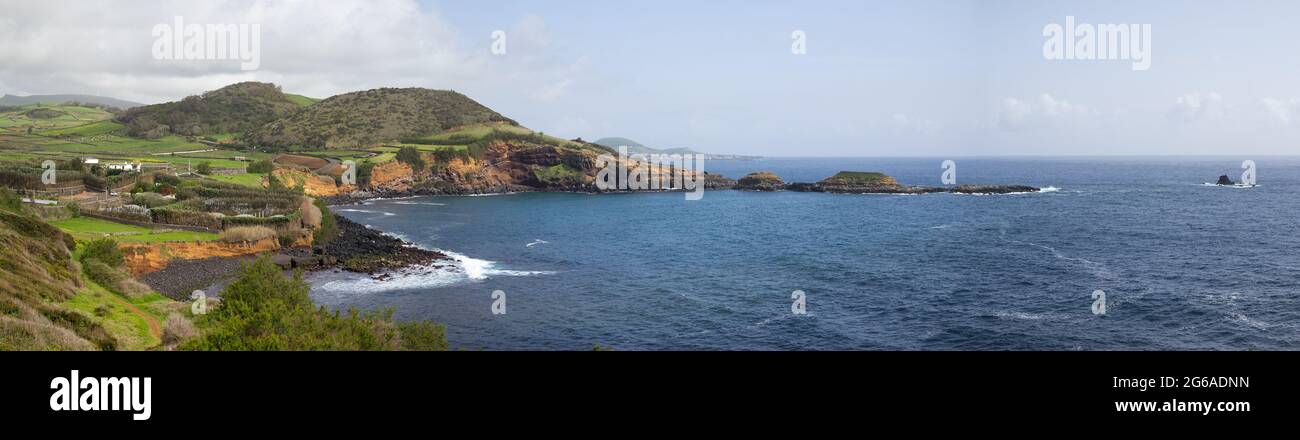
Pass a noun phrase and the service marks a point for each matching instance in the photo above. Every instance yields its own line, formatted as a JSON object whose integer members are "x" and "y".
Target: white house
{"x": 90, "y": 161}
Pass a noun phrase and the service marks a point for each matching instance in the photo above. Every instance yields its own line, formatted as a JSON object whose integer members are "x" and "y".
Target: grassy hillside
{"x": 37, "y": 273}
{"x": 14, "y": 100}
{"x": 635, "y": 147}
{"x": 301, "y": 100}
{"x": 362, "y": 119}
{"x": 231, "y": 109}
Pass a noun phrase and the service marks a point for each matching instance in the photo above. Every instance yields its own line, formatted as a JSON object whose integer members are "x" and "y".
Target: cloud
{"x": 1192, "y": 107}
{"x": 61, "y": 46}
{"x": 1279, "y": 111}
{"x": 1014, "y": 114}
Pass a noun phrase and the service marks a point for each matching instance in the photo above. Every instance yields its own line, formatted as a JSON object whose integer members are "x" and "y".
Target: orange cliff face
{"x": 312, "y": 184}
{"x": 146, "y": 258}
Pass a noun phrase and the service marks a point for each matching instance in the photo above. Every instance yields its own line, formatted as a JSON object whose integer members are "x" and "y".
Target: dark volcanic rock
{"x": 717, "y": 181}
{"x": 361, "y": 249}
{"x": 993, "y": 189}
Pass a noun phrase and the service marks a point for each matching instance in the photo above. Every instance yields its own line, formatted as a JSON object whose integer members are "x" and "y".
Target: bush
{"x": 104, "y": 250}
{"x": 114, "y": 279}
{"x": 264, "y": 310}
{"x": 204, "y": 168}
{"x": 246, "y": 233}
{"x": 10, "y": 201}
{"x": 151, "y": 200}
{"x": 329, "y": 229}
{"x": 176, "y": 330}
{"x": 411, "y": 156}
{"x": 260, "y": 167}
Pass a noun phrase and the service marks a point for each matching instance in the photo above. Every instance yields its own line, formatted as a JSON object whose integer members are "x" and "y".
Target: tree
{"x": 204, "y": 168}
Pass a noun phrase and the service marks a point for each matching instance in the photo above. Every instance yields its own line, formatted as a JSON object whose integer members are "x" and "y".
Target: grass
{"x": 300, "y": 100}
{"x": 250, "y": 180}
{"x": 131, "y": 330}
{"x": 560, "y": 173}
{"x": 86, "y": 229}
{"x": 858, "y": 177}
{"x": 126, "y": 318}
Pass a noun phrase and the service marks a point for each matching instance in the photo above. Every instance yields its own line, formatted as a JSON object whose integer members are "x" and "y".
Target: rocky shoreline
{"x": 363, "y": 250}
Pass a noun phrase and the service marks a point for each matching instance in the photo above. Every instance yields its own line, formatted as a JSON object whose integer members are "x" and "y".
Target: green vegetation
{"x": 329, "y": 229}
{"x": 260, "y": 167}
{"x": 411, "y": 156}
{"x": 859, "y": 178}
{"x": 264, "y": 310}
{"x": 366, "y": 118}
{"x": 87, "y": 229}
{"x": 36, "y": 273}
{"x": 251, "y": 180}
{"x": 558, "y": 175}
{"x": 204, "y": 168}
{"x": 234, "y": 108}
{"x": 301, "y": 100}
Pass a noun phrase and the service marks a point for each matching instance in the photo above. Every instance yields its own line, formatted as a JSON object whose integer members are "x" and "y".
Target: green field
{"x": 250, "y": 180}
{"x": 86, "y": 229}
{"x": 301, "y": 100}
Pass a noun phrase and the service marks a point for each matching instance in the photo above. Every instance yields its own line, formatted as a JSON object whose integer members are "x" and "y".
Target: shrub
{"x": 104, "y": 250}
{"x": 264, "y": 310}
{"x": 329, "y": 229}
{"x": 204, "y": 168}
{"x": 411, "y": 156}
{"x": 176, "y": 330}
{"x": 151, "y": 200}
{"x": 246, "y": 233}
{"x": 10, "y": 201}
{"x": 260, "y": 167}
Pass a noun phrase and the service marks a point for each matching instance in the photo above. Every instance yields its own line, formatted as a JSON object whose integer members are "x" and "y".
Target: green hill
{"x": 16, "y": 101}
{"x": 635, "y": 147}
{"x": 232, "y": 109}
{"x": 369, "y": 117}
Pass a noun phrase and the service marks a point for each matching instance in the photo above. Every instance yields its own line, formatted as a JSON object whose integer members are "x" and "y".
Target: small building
{"x": 124, "y": 166}
{"x": 90, "y": 161}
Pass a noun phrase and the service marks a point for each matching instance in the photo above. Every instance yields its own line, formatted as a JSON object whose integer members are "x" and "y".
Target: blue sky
{"x": 936, "y": 77}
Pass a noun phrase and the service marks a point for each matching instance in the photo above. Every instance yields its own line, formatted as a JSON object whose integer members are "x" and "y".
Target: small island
{"x": 858, "y": 182}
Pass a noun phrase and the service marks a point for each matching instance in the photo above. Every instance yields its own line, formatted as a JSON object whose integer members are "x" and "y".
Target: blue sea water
{"x": 1184, "y": 266}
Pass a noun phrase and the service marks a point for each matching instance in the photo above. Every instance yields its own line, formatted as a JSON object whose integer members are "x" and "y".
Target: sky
{"x": 878, "y": 78}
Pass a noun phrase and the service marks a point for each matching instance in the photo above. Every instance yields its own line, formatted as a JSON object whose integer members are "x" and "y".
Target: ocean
{"x": 1182, "y": 265}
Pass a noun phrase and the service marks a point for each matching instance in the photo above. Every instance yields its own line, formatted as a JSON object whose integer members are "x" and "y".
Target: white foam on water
{"x": 366, "y": 211}
{"x": 478, "y": 269}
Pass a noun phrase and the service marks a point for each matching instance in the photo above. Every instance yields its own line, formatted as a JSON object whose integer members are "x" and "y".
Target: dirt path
{"x": 154, "y": 326}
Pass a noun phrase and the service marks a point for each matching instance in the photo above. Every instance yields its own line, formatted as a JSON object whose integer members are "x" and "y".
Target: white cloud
{"x": 1279, "y": 111}
{"x": 1047, "y": 111}
{"x": 1192, "y": 107}
{"x": 60, "y": 46}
